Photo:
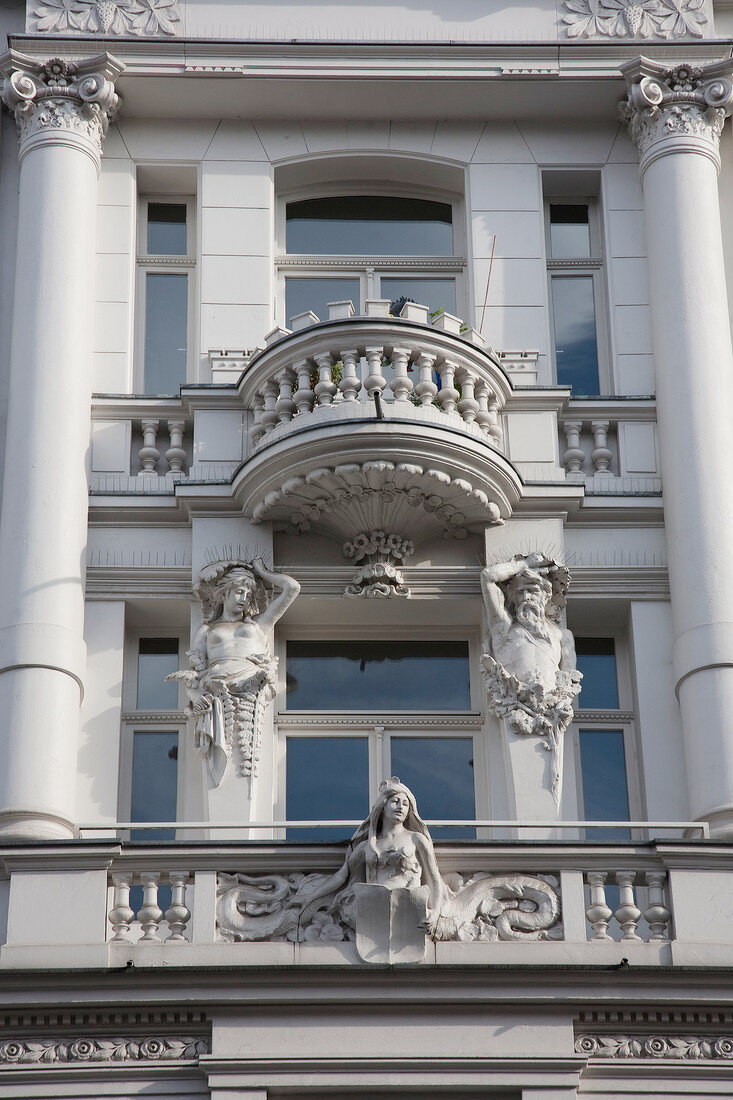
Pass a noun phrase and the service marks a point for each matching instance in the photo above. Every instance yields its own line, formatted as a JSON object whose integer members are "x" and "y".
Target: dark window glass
{"x": 327, "y": 778}
{"x": 605, "y": 794}
{"x": 154, "y": 782}
{"x": 434, "y": 293}
{"x": 373, "y": 225}
{"x": 569, "y": 231}
{"x": 167, "y": 229}
{"x": 439, "y": 772}
{"x": 315, "y": 294}
{"x": 157, "y": 658}
{"x": 378, "y": 675}
{"x": 166, "y": 312}
{"x": 576, "y": 350}
{"x": 597, "y": 661}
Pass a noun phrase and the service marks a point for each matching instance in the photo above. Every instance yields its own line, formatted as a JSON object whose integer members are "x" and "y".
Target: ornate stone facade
{"x": 141, "y": 18}
{"x": 636, "y": 19}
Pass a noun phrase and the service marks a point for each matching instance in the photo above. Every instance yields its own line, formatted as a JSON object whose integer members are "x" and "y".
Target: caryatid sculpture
{"x": 529, "y": 668}
{"x": 233, "y": 673}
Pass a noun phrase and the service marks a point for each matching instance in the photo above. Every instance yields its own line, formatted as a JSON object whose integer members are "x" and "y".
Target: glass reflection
{"x": 433, "y": 293}
{"x": 154, "y": 782}
{"x": 439, "y": 771}
{"x": 327, "y": 778}
{"x": 315, "y": 294}
{"x": 576, "y": 350}
{"x": 166, "y": 310}
{"x": 373, "y": 225}
{"x": 378, "y": 675}
{"x": 603, "y": 769}
{"x": 569, "y": 231}
{"x": 157, "y": 658}
{"x": 596, "y": 659}
{"x": 167, "y": 229}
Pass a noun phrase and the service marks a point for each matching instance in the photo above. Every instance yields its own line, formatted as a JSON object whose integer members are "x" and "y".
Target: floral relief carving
{"x": 687, "y": 1047}
{"x": 668, "y": 19}
{"x": 151, "y": 1049}
{"x": 122, "y": 17}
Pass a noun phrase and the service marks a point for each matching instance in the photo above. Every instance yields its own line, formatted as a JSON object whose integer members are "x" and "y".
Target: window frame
{"x": 370, "y": 268}
{"x": 380, "y": 726}
{"x": 593, "y": 267}
{"x": 162, "y": 264}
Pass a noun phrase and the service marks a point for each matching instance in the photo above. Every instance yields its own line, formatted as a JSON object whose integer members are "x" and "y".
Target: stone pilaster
{"x": 62, "y": 111}
{"x": 676, "y": 117}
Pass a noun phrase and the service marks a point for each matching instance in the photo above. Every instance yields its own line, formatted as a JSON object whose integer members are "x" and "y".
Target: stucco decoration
{"x": 660, "y": 19}
{"x": 379, "y": 577}
{"x": 388, "y": 895}
{"x": 529, "y": 664}
{"x": 232, "y": 674}
{"x": 144, "y": 18}
{"x": 685, "y": 102}
{"x": 679, "y": 1047}
{"x": 164, "y": 1048}
{"x": 46, "y": 97}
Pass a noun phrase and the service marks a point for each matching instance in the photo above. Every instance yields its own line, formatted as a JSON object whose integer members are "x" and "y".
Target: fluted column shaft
{"x": 62, "y": 113}
{"x": 676, "y": 118}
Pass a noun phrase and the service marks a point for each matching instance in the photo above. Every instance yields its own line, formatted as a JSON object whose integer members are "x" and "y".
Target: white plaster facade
{"x": 114, "y": 499}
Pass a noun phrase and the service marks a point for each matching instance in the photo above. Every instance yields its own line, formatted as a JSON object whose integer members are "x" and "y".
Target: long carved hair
{"x": 369, "y": 829}
{"x": 217, "y": 577}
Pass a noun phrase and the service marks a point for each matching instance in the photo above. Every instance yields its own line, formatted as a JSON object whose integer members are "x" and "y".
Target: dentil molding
{"x": 61, "y": 99}
{"x": 143, "y": 18}
{"x": 637, "y": 19}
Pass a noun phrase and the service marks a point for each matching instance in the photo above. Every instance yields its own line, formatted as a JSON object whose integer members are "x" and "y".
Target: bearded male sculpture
{"x": 529, "y": 664}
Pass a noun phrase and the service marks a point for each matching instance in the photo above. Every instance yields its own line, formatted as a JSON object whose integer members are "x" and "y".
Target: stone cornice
{"x": 679, "y": 109}
{"x": 60, "y": 101}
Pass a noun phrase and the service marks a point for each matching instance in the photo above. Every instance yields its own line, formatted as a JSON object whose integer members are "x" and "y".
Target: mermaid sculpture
{"x": 233, "y": 675}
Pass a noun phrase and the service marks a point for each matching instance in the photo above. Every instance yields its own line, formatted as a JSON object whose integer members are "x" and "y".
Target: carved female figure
{"x": 233, "y": 672}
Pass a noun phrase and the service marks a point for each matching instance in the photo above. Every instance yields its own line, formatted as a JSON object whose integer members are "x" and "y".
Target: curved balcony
{"x": 364, "y": 423}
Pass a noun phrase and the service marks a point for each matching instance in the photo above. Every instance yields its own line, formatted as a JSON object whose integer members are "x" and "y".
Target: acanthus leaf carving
{"x": 87, "y": 1049}
{"x": 380, "y": 576}
{"x": 680, "y": 1047}
{"x": 142, "y": 18}
{"x": 638, "y": 19}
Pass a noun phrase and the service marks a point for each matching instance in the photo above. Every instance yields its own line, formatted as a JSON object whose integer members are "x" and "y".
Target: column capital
{"x": 61, "y": 102}
{"x": 677, "y": 110}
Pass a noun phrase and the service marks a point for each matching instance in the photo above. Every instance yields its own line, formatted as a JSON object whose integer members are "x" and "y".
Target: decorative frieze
{"x": 637, "y": 19}
{"x": 153, "y": 1048}
{"x": 61, "y": 98}
{"x": 142, "y": 18}
{"x": 679, "y": 1047}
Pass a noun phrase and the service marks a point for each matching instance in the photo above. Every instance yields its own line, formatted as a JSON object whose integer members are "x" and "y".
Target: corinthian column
{"x": 62, "y": 111}
{"x": 676, "y": 117}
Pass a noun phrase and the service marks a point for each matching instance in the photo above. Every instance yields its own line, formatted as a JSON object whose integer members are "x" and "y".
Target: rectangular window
{"x": 439, "y": 771}
{"x": 327, "y": 778}
{"x": 374, "y": 225}
{"x": 154, "y": 782}
{"x": 157, "y": 658}
{"x": 596, "y": 659}
{"x": 384, "y": 675}
{"x": 575, "y": 268}
{"x": 166, "y": 262}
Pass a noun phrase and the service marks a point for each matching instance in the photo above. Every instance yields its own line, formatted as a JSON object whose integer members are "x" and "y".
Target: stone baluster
{"x": 375, "y": 380}
{"x": 656, "y": 913}
{"x": 574, "y": 455}
{"x": 177, "y": 914}
{"x": 175, "y": 456}
{"x": 121, "y": 915}
{"x": 150, "y": 914}
{"x": 483, "y": 416}
{"x": 448, "y": 394}
{"x": 598, "y": 913}
{"x": 600, "y": 455}
{"x": 149, "y": 453}
{"x": 285, "y": 405}
{"x": 426, "y": 388}
{"x": 324, "y": 388}
{"x": 468, "y": 406}
{"x": 627, "y": 913}
{"x": 495, "y": 430}
{"x": 401, "y": 384}
{"x": 270, "y": 392}
{"x": 350, "y": 383}
{"x": 258, "y": 407}
{"x": 304, "y": 397}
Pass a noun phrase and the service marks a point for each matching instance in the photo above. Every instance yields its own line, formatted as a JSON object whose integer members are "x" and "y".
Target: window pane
{"x": 372, "y": 225}
{"x": 439, "y": 772}
{"x": 576, "y": 352}
{"x": 378, "y": 675}
{"x": 166, "y": 229}
{"x": 434, "y": 293}
{"x": 154, "y": 782}
{"x": 569, "y": 231}
{"x": 166, "y": 310}
{"x": 157, "y": 658}
{"x": 597, "y": 662}
{"x": 327, "y": 779}
{"x": 603, "y": 768}
{"x": 315, "y": 294}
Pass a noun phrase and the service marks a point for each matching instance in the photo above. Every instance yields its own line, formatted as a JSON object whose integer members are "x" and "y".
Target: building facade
{"x": 362, "y": 371}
